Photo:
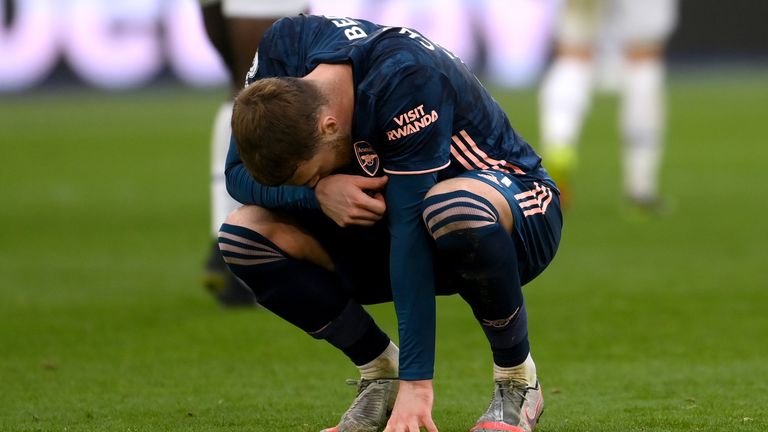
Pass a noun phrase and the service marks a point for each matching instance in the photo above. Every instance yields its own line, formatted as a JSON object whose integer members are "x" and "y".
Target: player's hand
{"x": 413, "y": 408}
{"x": 352, "y": 200}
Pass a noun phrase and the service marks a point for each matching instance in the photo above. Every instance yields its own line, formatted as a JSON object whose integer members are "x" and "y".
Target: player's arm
{"x": 411, "y": 273}
{"x": 413, "y": 291}
{"x": 415, "y": 114}
{"x": 242, "y": 187}
{"x": 347, "y": 200}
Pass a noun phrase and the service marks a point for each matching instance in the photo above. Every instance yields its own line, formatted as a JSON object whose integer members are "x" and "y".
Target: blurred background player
{"x": 639, "y": 29}
{"x": 235, "y": 28}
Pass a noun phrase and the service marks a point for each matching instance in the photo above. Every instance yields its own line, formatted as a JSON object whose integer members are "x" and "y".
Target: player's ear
{"x": 328, "y": 125}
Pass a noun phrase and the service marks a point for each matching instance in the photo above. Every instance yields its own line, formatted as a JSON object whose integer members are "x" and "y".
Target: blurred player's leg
{"x": 217, "y": 278}
{"x": 566, "y": 90}
{"x": 645, "y": 30}
{"x": 235, "y": 28}
{"x": 642, "y": 114}
{"x": 222, "y": 203}
{"x": 564, "y": 101}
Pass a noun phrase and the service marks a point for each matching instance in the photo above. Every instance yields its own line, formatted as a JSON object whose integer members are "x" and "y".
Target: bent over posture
{"x": 379, "y": 169}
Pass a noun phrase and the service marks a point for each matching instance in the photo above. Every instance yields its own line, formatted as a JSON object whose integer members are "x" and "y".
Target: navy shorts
{"x": 361, "y": 254}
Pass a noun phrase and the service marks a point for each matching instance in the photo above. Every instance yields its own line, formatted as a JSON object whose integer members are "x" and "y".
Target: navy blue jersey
{"x": 422, "y": 110}
{"x": 291, "y": 47}
{"x": 294, "y": 46}
{"x": 424, "y": 117}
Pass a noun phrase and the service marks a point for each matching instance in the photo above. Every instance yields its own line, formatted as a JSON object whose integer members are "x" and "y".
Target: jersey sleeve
{"x": 412, "y": 274}
{"x": 415, "y": 114}
{"x": 414, "y": 111}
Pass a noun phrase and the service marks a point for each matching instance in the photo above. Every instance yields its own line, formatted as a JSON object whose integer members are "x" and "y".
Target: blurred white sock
{"x": 642, "y": 125}
{"x": 564, "y": 100}
{"x": 221, "y": 203}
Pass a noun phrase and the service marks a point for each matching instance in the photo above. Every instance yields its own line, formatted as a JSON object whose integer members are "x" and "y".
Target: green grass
{"x": 639, "y": 325}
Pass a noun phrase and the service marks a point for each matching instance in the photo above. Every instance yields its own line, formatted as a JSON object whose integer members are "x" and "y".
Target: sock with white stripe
{"x": 482, "y": 256}
{"x": 302, "y": 293}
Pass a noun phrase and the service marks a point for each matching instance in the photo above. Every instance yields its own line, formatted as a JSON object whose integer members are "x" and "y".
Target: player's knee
{"x": 450, "y": 185}
{"x": 483, "y": 192}
{"x": 246, "y": 216}
{"x": 244, "y": 247}
{"x": 642, "y": 51}
{"x": 248, "y": 231}
{"x": 254, "y": 218}
{"x": 283, "y": 232}
{"x": 456, "y": 219}
{"x": 249, "y": 255}
{"x": 576, "y": 51}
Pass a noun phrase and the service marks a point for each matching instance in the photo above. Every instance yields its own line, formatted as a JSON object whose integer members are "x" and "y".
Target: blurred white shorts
{"x": 259, "y": 8}
{"x": 582, "y": 22}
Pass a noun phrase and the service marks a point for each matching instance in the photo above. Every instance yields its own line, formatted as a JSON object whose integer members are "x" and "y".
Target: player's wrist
{"x": 312, "y": 201}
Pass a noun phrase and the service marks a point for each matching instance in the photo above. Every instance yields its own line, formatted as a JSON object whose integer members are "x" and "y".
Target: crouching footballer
{"x": 374, "y": 167}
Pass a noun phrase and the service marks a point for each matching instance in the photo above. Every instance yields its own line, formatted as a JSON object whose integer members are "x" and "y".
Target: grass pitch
{"x": 639, "y": 325}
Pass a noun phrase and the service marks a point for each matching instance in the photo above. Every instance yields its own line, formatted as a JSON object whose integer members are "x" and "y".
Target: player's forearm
{"x": 411, "y": 272}
{"x": 243, "y": 188}
{"x": 414, "y": 297}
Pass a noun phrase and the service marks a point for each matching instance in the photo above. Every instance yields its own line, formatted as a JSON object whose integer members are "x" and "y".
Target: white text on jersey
{"x": 353, "y": 32}
{"x": 411, "y": 122}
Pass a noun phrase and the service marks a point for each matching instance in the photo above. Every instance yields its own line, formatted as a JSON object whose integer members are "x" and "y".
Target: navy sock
{"x": 482, "y": 256}
{"x": 302, "y": 293}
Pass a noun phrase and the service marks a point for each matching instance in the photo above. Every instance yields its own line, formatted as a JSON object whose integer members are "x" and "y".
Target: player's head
{"x": 281, "y": 134}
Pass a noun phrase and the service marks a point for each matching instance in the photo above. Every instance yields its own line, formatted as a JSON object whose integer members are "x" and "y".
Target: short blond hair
{"x": 275, "y": 124}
